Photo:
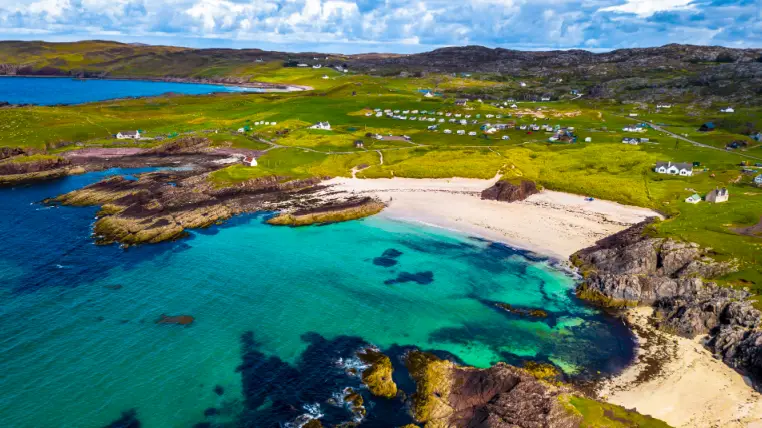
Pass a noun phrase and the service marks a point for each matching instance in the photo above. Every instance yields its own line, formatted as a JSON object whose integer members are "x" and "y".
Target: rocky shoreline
{"x": 632, "y": 268}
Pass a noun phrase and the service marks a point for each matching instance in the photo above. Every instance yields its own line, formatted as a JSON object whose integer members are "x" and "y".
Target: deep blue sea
{"x": 60, "y": 90}
{"x": 279, "y": 313}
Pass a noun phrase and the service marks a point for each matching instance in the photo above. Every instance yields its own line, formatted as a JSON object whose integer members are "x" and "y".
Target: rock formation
{"x": 502, "y": 396}
{"x": 633, "y": 268}
{"x": 509, "y": 192}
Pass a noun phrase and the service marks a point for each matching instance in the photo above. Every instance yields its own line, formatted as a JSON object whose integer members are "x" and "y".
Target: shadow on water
{"x": 129, "y": 419}
{"x": 276, "y": 392}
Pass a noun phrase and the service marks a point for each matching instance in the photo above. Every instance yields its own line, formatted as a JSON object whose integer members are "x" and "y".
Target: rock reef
{"x": 333, "y": 212}
{"x": 378, "y": 376}
{"x": 633, "y": 268}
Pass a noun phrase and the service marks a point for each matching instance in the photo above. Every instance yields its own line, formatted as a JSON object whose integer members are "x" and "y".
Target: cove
{"x": 278, "y": 314}
{"x": 60, "y": 90}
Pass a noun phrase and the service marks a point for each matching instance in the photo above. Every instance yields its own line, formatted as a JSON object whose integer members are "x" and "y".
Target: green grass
{"x": 603, "y": 415}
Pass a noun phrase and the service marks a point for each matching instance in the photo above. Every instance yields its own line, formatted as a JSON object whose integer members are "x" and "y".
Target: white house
{"x": 472, "y": 133}
{"x": 368, "y": 114}
{"x": 505, "y": 137}
{"x": 441, "y": 120}
{"x": 302, "y": 65}
{"x": 684, "y": 169}
{"x": 633, "y": 141}
{"x": 693, "y": 199}
{"x": 461, "y": 132}
{"x": 523, "y": 84}
{"x": 316, "y": 66}
{"x": 241, "y": 130}
{"x": 514, "y": 106}
{"x": 325, "y": 77}
{"x": 128, "y": 135}
{"x": 545, "y": 99}
{"x": 447, "y": 131}
{"x": 273, "y": 123}
{"x": 758, "y": 180}
{"x": 321, "y": 125}
{"x": 588, "y": 139}
{"x": 728, "y": 110}
{"x": 664, "y": 106}
{"x": 428, "y": 94}
{"x": 250, "y": 160}
{"x": 633, "y": 115}
{"x": 718, "y": 195}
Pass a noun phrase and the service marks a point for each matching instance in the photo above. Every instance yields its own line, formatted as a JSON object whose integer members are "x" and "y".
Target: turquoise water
{"x": 275, "y": 310}
{"x": 59, "y": 90}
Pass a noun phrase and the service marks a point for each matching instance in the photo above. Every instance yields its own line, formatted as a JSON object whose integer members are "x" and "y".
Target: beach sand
{"x": 678, "y": 381}
{"x": 552, "y": 224}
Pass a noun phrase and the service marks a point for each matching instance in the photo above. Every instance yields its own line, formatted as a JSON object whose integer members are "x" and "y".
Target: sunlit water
{"x": 275, "y": 309}
{"x": 61, "y": 90}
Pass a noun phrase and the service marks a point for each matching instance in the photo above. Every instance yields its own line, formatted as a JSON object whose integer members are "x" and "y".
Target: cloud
{"x": 389, "y": 25}
{"x": 645, "y": 8}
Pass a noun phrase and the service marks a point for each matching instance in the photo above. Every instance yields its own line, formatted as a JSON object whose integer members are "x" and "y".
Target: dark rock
{"x": 530, "y": 312}
{"x": 418, "y": 277}
{"x": 508, "y": 192}
{"x": 175, "y": 319}
{"x": 219, "y": 390}
{"x": 633, "y": 268}
{"x": 129, "y": 419}
{"x": 211, "y": 412}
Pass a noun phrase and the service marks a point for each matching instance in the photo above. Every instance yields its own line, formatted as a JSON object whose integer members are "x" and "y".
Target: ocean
{"x": 60, "y": 90}
{"x": 278, "y": 315}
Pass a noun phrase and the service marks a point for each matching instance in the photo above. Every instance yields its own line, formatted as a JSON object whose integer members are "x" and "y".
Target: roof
{"x": 719, "y": 192}
{"x": 129, "y": 132}
{"x": 248, "y": 159}
{"x": 678, "y": 165}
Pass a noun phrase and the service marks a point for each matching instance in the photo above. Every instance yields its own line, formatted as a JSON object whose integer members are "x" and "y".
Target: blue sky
{"x": 404, "y": 26}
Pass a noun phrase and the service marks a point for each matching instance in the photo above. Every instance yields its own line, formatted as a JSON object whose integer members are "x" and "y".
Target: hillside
{"x": 678, "y": 73}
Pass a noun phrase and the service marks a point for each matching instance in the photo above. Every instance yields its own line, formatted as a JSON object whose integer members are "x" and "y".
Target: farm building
{"x": 718, "y": 195}
{"x": 128, "y": 135}
{"x": 681, "y": 168}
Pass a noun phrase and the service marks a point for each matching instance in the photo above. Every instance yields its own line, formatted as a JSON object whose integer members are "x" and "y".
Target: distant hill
{"x": 643, "y": 74}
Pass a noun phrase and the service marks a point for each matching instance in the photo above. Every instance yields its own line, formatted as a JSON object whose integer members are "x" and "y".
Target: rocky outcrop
{"x": 631, "y": 268}
{"x": 502, "y": 396}
{"x": 378, "y": 375}
{"x": 635, "y": 268}
{"x": 334, "y": 212}
{"x": 161, "y": 206}
{"x": 509, "y": 192}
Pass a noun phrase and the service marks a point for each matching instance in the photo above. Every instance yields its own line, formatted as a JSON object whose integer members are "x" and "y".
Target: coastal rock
{"x": 502, "y": 396}
{"x": 530, "y": 312}
{"x": 378, "y": 376}
{"x": 330, "y": 213}
{"x": 509, "y": 192}
{"x": 633, "y": 268}
{"x": 161, "y": 206}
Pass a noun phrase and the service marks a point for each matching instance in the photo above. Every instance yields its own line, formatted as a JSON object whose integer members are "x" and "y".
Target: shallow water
{"x": 61, "y": 90}
{"x": 275, "y": 309}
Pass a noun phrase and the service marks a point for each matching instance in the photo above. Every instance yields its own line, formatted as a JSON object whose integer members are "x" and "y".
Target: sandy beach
{"x": 552, "y": 224}
{"x": 689, "y": 388}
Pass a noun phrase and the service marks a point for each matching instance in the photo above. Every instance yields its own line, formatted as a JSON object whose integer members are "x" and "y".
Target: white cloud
{"x": 404, "y": 24}
{"x": 646, "y": 8}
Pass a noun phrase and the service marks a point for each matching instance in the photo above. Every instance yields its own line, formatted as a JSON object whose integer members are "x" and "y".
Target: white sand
{"x": 692, "y": 389}
{"x": 553, "y": 224}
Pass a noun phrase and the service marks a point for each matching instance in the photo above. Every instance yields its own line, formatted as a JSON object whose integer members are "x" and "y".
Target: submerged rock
{"x": 509, "y": 192}
{"x": 422, "y": 278}
{"x": 530, "y": 312}
{"x": 175, "y": 319}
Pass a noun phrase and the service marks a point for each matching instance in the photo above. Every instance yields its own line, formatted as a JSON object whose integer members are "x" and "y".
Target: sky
{"x": 401, "y": 26}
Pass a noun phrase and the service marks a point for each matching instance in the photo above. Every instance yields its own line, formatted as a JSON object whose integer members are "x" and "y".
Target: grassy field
{"x": 603, "y": 168}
